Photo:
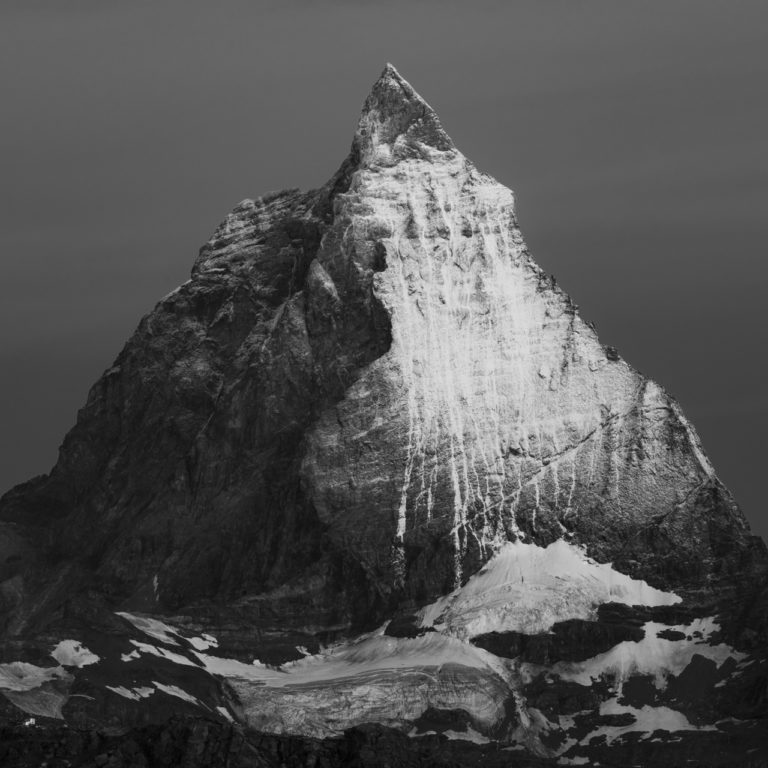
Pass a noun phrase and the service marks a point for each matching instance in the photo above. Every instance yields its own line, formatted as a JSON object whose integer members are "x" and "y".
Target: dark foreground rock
{"x": 188, "y": 743}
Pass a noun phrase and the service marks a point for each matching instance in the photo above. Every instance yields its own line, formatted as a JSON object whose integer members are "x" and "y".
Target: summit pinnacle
{"x": 394, "y": 112}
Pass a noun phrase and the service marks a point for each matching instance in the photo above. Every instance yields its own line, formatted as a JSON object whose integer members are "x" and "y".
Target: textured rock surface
{"x": 371, "y": 447}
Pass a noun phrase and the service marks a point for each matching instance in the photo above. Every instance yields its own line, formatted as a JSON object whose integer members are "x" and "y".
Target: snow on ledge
{"x": 165, "y": 633}
{"x": 203, "y": 643}
{"x": 136, "y": 694}
{"x": 225, "y": 713}
{"x": 648, "y": 720}
{"x": 653, "y": 656}
{"x": 174, "y": 690}
{"x": 152, "y": 627}
{"x": 527, "y": 588}
{"x": 163, "y": 653}
{"x": 71, "y": 653}
{"x": 21, "y": 676}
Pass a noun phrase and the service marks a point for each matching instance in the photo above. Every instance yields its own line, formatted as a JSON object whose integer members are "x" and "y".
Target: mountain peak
{"x": 369, "y": 407}
{"x": 391, "y": 79}
{"x": 394, "y": 112}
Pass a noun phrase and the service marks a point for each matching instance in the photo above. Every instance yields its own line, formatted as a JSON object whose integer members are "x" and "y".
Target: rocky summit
{"x": 366, "y": 490}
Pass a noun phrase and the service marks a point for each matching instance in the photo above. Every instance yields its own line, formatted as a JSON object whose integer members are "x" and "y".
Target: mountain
{"x": 367, "y": 490}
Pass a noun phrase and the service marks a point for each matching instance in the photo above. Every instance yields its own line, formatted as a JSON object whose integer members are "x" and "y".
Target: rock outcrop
{"x": 370, "y": 466}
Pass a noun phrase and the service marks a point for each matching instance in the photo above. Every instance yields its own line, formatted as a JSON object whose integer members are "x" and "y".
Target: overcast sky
{"x": 635, "y": 135}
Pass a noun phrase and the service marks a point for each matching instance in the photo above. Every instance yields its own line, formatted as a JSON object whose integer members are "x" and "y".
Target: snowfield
{"x": 527, "y": 588}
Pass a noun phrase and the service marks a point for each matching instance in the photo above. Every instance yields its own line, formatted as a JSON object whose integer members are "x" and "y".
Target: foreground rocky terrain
{"x": 366, "y": 490}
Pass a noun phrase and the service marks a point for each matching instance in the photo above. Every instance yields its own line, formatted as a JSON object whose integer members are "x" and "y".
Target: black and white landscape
{"x": 367, "y": 490}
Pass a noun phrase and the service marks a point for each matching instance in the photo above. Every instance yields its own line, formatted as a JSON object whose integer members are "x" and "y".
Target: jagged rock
{"x": 372, "y": 447}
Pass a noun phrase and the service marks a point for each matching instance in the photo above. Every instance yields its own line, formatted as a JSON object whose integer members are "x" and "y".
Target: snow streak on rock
{"x": 655, "y": 656}
{"x": 20, "y": 676}
{"x": 136, "y": 694}
{"x": 71, "y": 653}
{"x": 155, "y": 628}
{"x": 496, "y": 414}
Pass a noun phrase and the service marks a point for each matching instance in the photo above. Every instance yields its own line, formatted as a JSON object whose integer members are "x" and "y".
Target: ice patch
{"x": 152, "y": 627}
{"x": 173, "y": 690}
{"x": 469, "y": 735}
{"x": 44, "y": 701}
{"x": 527, "y": 588}
{"x": 652, "y": 655}
{"x": 131, "y": 693}
{"x": 647, "y": 720}
{"x": 204, "y": 642}
{"x": 163, "y": 653}
{"x": 217, "y": 665}
{"x": 225, "y": 713}
{"x": 20, "y": 676}
{"x": 71, "y": 653}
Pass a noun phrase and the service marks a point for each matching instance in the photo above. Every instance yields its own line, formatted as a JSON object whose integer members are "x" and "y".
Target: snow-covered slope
{"x": 526, "y": 588}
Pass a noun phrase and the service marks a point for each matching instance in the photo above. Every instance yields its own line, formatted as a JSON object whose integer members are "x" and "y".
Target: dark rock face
{"x": 206, "y": 744}
{"x": 369, "y": 411}
{"x": 191, "y": 476}
{"x": 572, "y": 640}
{"x": 193, "y": 744}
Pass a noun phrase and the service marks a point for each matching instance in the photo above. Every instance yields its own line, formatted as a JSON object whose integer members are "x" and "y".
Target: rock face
{"x": 369, "y": 466}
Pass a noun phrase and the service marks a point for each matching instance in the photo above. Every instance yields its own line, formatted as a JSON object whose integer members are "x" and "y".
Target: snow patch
{"x": 204, "y": 642}
{"x": 652, "y": 655}
{"x": 173, "y": 690}
{"x": 225, "y": 713}
{"x": 163, "y": 653}
{"x": 131, "y": 693}
{"x": 469, "y": 735}
{"x": 152, "y": 627}
{"x": 20, "y": 676}
{"x": 45, "y": 701}
{"x": 527, "y": 588}
{"x": 218, "y": 665}
{"x": 71, "y": 653}
{"x": 647, "y": 720}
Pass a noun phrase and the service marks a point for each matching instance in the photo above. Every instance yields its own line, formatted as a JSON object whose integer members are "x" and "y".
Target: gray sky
{"x": 634, "y": 134}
